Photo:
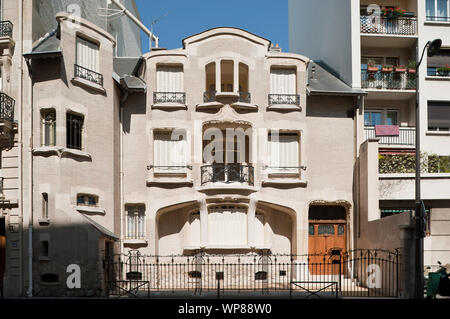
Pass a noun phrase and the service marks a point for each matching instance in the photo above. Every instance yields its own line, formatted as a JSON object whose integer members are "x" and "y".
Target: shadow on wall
{"x": 136, "y": 104}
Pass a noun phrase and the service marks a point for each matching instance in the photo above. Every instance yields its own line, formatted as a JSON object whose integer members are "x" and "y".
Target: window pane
{"x": 391, "y": 118}
{"x": 376, "y": 118}
{"x": 311, "y": 229}
{"x": 439, "y": 116}
{"x": 326, "y": 229}
{"x": 442, "y": 8}
{"x": 131, "y": 226}
{"x": 340, "y": 230}
{"x": 366, "y": 118}
{"x": 80, "y": 200}
{"x": 430, "y": 9}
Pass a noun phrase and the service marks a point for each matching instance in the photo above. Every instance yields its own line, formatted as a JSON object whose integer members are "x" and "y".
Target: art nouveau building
{"x": 226, "y": 145}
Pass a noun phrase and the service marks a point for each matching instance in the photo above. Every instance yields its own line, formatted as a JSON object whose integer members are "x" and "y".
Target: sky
{"x": 179, "y": 19}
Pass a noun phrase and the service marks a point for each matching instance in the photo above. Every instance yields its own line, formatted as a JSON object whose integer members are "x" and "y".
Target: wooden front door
{"x": 323, "y": 237}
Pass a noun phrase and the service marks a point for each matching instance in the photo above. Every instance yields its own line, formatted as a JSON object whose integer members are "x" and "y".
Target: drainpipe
{"x": 122, "y": 209}
{"x": 30, "y": 187}
{"x": 138, "y": 23}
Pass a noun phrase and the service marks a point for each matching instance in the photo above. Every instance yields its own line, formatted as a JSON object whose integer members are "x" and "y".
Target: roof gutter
{"x": 138, "y": 23}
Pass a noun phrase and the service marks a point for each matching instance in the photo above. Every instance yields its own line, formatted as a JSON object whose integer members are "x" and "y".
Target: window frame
{"x": 45, "y": 124}
{"x": 280, "y": 170}
{"x": 436, "y": 17}
{"x": 81, "y": 63}
{"x": 86, "y": 200}
{"x": 383, "y": 112}
{"x": 166, "y": 168}
{"x": 70, "y": 117}
{"x": 437, "y": 129}
{"x": 138, "y": 211}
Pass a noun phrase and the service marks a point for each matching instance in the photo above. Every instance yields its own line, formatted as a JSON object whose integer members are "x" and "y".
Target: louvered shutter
{"x": 284, "y": 153}
{"x": 169, "y": 79}
{"x": 169, "y": 154}
{"x": 87, "y": 55}
{"x": 283, "y": 81}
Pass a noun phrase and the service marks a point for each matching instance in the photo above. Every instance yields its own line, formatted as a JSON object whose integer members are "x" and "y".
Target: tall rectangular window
{"x": 283, "y": 81}
{"x": 74, "y": 131}
{"x": 437, "y": 10}
{"x": 87, "y": 55}
{"x": 284, "y": 151}
{"x": 136, "y": 222}
{"x": 169, "y": 79}
{"x": 439, "y": 116}
{"x": 44, "y": 205}
{"x": 49, "y": 128}
{"x": 169, "y": 152}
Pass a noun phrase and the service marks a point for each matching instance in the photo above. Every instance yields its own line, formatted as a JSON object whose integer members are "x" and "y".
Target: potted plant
{"x": 371, "y": 67}
{"x": 411, "y": 66}
{"x": 392, "y": 13}
{"x": 387, "y": 68}
{"x": 443, "y": 70}
{"x": 400, "y": 68}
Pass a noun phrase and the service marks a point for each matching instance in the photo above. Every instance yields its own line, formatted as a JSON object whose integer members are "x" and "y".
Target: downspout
{"x": 30, "y": 186}
{"x": 20, "y": 146}
{"x": 138, "y": 23}
{"x": 122, "y": 208}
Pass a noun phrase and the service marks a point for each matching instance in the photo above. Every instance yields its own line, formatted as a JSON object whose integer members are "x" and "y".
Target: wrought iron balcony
{"x": 227, "y": 173}
{"x": 6, "y": 29}
{"x": 388, "y": 80}
{"x": 407, "y": 136}
{"x": 169, "y": 97}
{"x": 6, "y": 107}
{"x": 291, "y": 99}
{"x": 383, "y": 25}
{"x": 209, "y": 96}
{"x": 245, "y": 97}
{"x": 92, "y": 76}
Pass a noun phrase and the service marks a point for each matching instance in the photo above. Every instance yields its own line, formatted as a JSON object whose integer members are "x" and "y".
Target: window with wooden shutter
{"x": 87, "y": 55}
{"x": 284, "y": 153}
{"x": 169, "y": 152}
{"x": 283, "y": 81}
{"x": 169, "y": 79}
{"x": 227, "y": 226}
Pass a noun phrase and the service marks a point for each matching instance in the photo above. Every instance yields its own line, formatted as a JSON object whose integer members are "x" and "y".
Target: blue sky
{"x": 266, "y": 18}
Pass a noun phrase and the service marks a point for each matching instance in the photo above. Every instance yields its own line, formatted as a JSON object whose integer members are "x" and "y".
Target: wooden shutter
{"x": 284, "y": 153}
{"x": 169, "y": 154}
{"x": 227, "y": 226}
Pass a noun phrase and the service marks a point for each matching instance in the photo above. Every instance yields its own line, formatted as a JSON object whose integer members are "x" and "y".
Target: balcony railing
{"x": 292, "y": 99}
{"x": 169, "y": 97}
{"x": 438, "y": 19}
{"x": 245, "y": 97}
{"x": 6, "y": 29}
{"x": 383, "y": 25}
{"x": 88, "y": 75}
{"x": 388, "y": 80}
{"x": 434, "y": 71}
{"x": 6, "y": 107}
{"x": 209, "y": 96}
{"x": 407, "y": 136}
{"x": 227, "y": 173}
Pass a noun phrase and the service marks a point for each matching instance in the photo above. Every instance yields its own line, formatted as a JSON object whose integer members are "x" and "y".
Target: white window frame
{"x": 44, "y": 113}
{"x": 277, "y": 164}
{"x": 383, "y": 112}
{"x": 137, "y": 213}
{"x": 176, "y": 161}
{"x": 436, "y": 11}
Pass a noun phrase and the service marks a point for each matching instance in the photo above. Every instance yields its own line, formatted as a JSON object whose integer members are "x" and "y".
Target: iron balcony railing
{"x": 169, "y": 97}
{"x": 245, "y": 97}
{"x": 92, "y": 76}
{"x": 388, "y": 80}
{"x": 227, "y": 173}
{"x": 6, "y": 107}
{"x": 209, "y": 96}
{"x": 291, "y": 99}
{"x": 407, "y": 136}
{"x": 438, "y": 19}
{"x": 6, "y": 29}
{"x": 383, "y": 25}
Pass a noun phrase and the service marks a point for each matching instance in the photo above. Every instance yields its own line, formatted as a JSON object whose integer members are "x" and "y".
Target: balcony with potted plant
{"x": 391, "y": 21}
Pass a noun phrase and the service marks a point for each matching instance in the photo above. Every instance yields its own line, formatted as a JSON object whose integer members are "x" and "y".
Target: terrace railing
{"x": 407, "y": 136}
{"x": 388, "y": 80}
{"x": 383, "y": 25}
{"x": 6, "y": 107}
{"x": 169, "y": 97}
{"x": 6, "y": 29}
{"x": 89, "y": 75}
{"x": 227, "y": 173}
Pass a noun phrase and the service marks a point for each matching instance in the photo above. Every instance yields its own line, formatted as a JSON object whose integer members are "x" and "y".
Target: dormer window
{"x": 87, "y": 61}
{"x": 283, "y": 86}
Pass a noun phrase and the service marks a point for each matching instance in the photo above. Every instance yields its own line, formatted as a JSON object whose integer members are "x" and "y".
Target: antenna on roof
{"x": 155, "y": 21}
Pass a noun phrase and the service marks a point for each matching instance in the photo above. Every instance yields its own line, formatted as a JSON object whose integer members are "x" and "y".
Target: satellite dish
{"x": 434, "y": 47}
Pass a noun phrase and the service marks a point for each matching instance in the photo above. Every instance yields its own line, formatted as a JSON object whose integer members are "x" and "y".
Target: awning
{"x": 104, "y": 231}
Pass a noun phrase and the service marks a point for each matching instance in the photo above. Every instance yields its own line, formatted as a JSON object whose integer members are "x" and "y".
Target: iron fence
{"x": 89, "y": 75}
{"x": 357, "y": 273}
{"x": 6, "y": 107}
{"x": 384, "y": 25}
{"x": 6, "y": 29}
{"x": 388, "y": 80}
{"x": 169, "y": 97}
{"x": 227, "y": 173}
{"x": 291, "y": 99}
{"x": 407, "y": 136}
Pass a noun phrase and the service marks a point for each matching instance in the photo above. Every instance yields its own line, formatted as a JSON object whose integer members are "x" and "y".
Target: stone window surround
{"x": 134, "y": 241}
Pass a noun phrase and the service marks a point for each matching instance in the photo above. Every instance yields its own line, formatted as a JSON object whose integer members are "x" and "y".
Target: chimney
{"x": 275, "y": 48}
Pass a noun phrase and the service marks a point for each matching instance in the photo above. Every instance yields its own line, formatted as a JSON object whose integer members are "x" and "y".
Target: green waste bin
{"x": 433, "y": 284}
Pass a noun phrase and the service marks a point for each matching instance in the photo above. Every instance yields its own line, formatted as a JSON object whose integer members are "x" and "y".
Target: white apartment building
{"x": 374, "y": 46}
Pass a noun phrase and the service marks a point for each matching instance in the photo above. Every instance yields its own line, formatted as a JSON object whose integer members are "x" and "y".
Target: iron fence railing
{"x": 6, "y": 107}
{"x": 6, "y": 29}
{"x": 92, "y": 76}
{"x": 169, "y": 97}
{"x": 227, "y": 173}
{"x": 384, "y": 25}
{"x": 292, "y": 99}
{"x": 407, "y": 136}
{"x": 357, "y": 273}
{"x": 388, "y": 80}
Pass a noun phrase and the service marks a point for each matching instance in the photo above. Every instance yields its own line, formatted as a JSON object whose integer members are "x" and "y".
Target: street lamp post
{"x": 433, "y": 47}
